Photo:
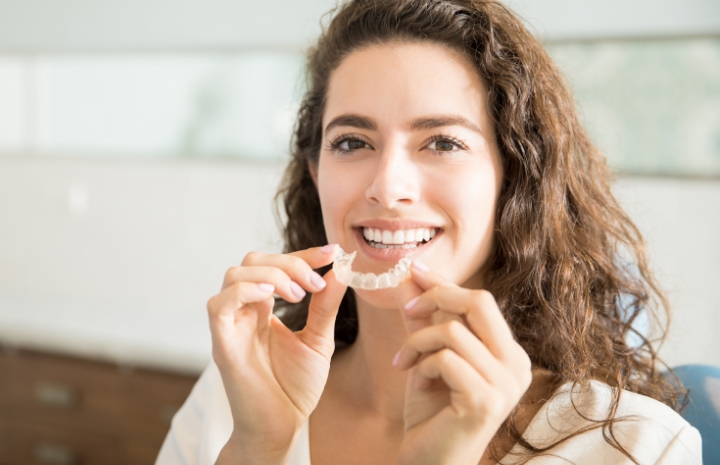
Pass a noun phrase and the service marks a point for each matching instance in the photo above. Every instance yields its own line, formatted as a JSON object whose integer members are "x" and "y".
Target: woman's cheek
{"x": 338, "y": 191}
{"x": 331, "y": 219}
{"x": 470, "y": 208}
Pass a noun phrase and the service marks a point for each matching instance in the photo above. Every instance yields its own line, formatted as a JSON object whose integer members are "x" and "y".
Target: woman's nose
{"x": 396, "y": 181}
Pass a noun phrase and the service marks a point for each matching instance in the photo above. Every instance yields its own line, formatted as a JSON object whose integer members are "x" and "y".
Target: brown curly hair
{"x": 569, "y": 270}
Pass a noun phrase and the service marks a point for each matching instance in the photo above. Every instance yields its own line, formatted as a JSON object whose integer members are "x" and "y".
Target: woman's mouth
{"x": 400, "y": 239}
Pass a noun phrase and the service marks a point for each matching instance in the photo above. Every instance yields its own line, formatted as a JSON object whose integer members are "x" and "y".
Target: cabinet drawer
{"x": 5, "y": 442}
{"x": 141, "y": 451}
{"x": 60, "y": 384}
{"x": 152, "y": 401}
{"x": 41, "y": 445}
{"x": 56, "y": 409}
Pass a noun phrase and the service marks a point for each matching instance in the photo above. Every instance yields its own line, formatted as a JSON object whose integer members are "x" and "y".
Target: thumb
{"x": 406, "y": 292}
{"x": 319, "y": 331}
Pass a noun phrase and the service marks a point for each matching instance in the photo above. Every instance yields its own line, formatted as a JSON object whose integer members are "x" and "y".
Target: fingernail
{"x": 317, "y": 280}
{"x": 265, "y": 287}
{"x": 297, "y": 290}
{"x": 396, "y": 359}
{"x": 330, "y": 248}
{"x": 420, "y": 265}
{"x": 411, "y": 304}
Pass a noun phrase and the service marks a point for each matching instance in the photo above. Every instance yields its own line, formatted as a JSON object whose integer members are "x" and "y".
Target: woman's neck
{"x": 363, "y": 371}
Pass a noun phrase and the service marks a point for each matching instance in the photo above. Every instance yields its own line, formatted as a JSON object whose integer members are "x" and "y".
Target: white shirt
{"x": 654, "y": 435}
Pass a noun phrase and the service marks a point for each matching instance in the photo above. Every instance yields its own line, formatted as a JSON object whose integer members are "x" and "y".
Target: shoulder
{"x": 649, "y": 430}
{"x": 202, "y": 426}
{"x": 595, "y": 400}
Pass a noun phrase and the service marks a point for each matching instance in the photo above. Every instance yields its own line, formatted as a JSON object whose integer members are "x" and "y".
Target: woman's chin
{"x": 385, "y": 299}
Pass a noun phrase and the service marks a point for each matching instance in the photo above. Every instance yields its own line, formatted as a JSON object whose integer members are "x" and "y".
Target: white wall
{"x": 144, "y": 233}
{"x": 125, "y": 231}
{"x": 680, "y": 219}
{"x": 102, "y": 25}
{"x": 592, "y": 19}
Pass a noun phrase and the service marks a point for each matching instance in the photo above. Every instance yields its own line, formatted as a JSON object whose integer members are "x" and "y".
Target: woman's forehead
{"x": 396, "y": 83}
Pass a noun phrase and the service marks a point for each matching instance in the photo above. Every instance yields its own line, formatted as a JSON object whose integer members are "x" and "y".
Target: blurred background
{"x": 141, "y": 144}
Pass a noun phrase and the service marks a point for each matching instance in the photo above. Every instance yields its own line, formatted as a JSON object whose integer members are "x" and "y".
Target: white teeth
{"x": 400, "y": 237}
{"x": 380, "y": 245}
{"x": 387, "y": 237}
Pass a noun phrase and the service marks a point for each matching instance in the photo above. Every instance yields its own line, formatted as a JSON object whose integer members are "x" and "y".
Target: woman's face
{"x": 409, "y": 150}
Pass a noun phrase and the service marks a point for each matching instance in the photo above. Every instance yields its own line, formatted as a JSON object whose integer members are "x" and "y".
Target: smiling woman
{"x": 439, "y": 129}
{"x": 420, "y": 129}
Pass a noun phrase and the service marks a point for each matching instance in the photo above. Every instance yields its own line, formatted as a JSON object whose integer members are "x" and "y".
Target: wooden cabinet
{"x": 57, "y": 410}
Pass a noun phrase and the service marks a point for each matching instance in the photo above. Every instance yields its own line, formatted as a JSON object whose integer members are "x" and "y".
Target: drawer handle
{"x": 56, "y": 395}
{"x": 53, "y": 454}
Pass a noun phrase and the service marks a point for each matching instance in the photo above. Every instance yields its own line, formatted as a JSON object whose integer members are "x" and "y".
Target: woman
{"x": 442, "y": 129}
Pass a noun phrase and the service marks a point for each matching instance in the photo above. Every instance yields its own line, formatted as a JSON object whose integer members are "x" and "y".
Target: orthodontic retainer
{"x": 342, "y": 265}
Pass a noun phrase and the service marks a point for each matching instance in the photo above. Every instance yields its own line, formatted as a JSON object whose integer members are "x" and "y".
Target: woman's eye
{"x": 352, "y": 144}
{"x": 442, "y": 146}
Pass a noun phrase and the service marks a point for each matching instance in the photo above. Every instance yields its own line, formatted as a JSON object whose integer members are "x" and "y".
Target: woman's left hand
{"x": 466, "y": 374}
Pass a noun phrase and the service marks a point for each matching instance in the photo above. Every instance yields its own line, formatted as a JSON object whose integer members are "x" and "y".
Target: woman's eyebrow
{"x": 436, "y": 121}
{"x": 353, "y": 120}
{"x": 425, "y": 122}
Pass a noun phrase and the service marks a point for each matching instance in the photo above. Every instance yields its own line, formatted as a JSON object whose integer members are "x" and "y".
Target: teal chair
{"x": 703, "y": 406}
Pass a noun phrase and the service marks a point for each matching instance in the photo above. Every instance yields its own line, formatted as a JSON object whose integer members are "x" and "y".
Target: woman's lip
{"x": 389, "y": 255}
{"x": 394, "y": 224}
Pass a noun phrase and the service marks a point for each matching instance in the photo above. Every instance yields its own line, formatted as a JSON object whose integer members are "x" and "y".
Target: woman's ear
{"x": 312, "y": 167}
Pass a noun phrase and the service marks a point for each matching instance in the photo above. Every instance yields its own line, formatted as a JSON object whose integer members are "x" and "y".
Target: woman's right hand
{"x": 273, "y": 376}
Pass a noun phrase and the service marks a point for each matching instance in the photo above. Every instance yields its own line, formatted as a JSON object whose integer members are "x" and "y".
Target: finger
{"x": 425, "y": 278}
{"x": 455, "y": 336}
{"x": 479, "y": 309}
{"x": 465, "y": 383}
{"x": 234, "y": 337}
{"x": 319, "y": 331}
{"x": 297, "y": 265}
{"x": 406, "y": 292}
{"x": 315, "y": 257}
{"x": 225, "y": 307}
{"x": 237, "y": 296}
{"x": 285, "y": 286}
{"x": 421, "y": 279}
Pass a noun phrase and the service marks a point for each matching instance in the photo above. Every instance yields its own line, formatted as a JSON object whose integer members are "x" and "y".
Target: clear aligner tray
{"x": 370, "y": 281}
